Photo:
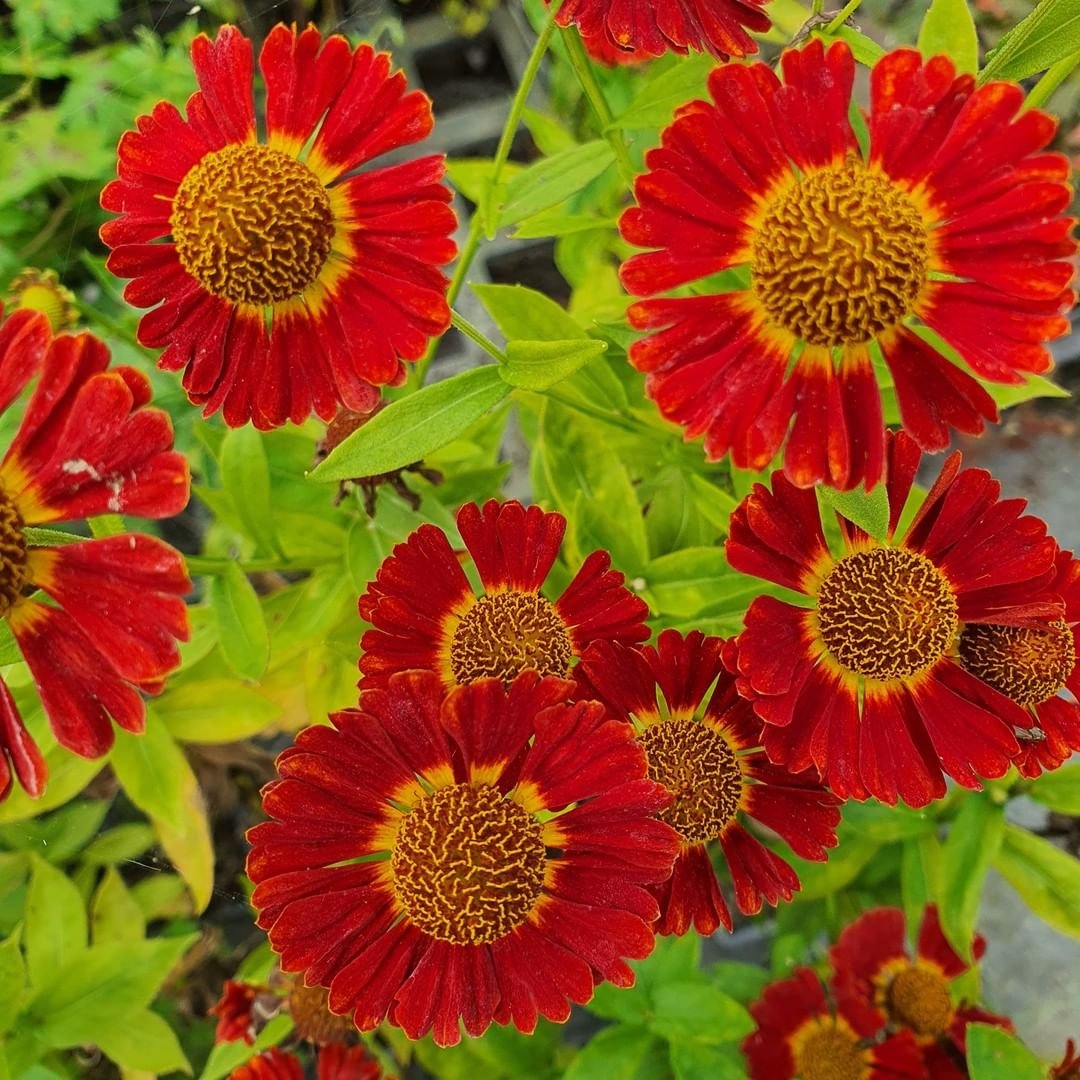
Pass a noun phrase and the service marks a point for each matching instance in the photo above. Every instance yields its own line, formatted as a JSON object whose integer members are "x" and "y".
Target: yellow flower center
{"x": 886, "y": 613}
{"x": 840, "y": 256}
{"x": 919, "y": 1000}
{"x": 827, "y": 1052}
{"x": 507, "y": 633}
{"x": 1026, "y": 664}
{"x": 468, "y": 864}
{"x": 252, "y": 224}
{"x": 310, "y": 1011}
{"x": 700, "y": 770}
{"x": 12, "y": 554}
{"x": 40, "y": 290}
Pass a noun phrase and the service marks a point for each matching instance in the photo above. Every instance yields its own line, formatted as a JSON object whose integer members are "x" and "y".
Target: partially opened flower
{"x": 609, "y": 27}
{"x": 880, "y": 982}
{"x": 702, "y": 743}
{"x": 445, "y": 859}
{"x": 283, "y": 281}
{"x": 234, "y": 1010}
{"x": 40, "y": 290}
{"x": 801, "y": 1034}
{"x": 863, "y": 682}
{"x": 843, "y": 264}
{"x": 426, "y": 614}
{"x": 1036, "y": 666}
{"x": 87, "y": 445}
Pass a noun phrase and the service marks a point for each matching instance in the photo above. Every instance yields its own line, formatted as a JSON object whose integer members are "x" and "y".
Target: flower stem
{"x": 477, "y": 336}
{"x": 587, "y": 77}
{"x": 843, "y": 15}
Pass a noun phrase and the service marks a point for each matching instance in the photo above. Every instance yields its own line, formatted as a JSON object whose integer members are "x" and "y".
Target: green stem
{"x": 211, "y": 565}
{"x": 842, "y": 16}
{"x": 607, "y": 418}
{"x": 587, "y": 77}
{"x": 477, "y": 336}
{"x": 1050, "y": 80}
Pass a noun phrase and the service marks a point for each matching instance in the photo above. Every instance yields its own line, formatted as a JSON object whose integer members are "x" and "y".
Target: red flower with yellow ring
{"x": 427, "y": 615}
{"x": 283, "y": 281}
{"x": 444, "y": 859}
{"x": 801, "y": 1034}
{"x": 841, "y": 265}
{"x": 702, "y": 742}
{"x": 87, "y": 445}
{"x": 864, "y": 682}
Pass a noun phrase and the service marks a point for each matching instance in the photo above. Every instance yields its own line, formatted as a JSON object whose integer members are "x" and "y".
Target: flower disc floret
{"x": 887, "y": 613}
{"x": 311, "y": 1016}
{"x": 468, "y": 864}
{"x": 700, "y": 770}
{"x": 1028, "y": 664}
{"x": 840, "y": 256}
{"x": 252, "y": 224}
{"x": 829, "y": 1052}
{"x": 918, "y": 999}
{"x": 12, "y": 554}
{"x": 506, "y": 633}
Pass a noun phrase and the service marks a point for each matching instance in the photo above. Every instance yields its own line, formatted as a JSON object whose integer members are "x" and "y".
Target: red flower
{"x": 1069, "y": 1066}
{"x": 340, "y": 1062}
{"x": 427, "y": 615}
{"x": 87, "y": 445}
{"x": 950, "y": 224}
{"x": 799, "y": 1035}
{"x": 879, "y": 982}
{"x": 472, "y": 857}
{"x": 235, "y": 1020}
{"x": 864, "y": 682}
{"x": 272, "y": 1064}
{"x": 609, "y": 27}
{"x": 702, "y": 743}
{"x": 286, "y": 285}
{"x": 1035, "y": 666}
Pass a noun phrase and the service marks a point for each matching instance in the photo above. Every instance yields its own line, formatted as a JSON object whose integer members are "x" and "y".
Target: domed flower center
{"x": 886, "y": 613}
{"x": 252, "y": 224}
{"x": 698, "y": 767}
{"x": 311, "y": 1016}
{"x": 468, "y": 864}
{"x": 1026, "y": 664}
{"x": 919, "y": 999}
{"x": 507, "y": 633}
{"x": 12, "y": 554}
{"x": 840, "y": 256}
{"x": 829, "y": 1053}
{"x": 40, "y": 290}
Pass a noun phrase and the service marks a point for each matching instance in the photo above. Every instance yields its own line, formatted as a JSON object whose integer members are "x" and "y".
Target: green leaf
{"x": 245, "y": 642}
{"x": 949, "y": 28}
{"x": 523, "y": 313}
{"x": 536, "y": 365}
{"x": 666, "y": 90}
{"x": 845, "y": 861}
{"x": 245, "y": 475}
{"x": 215, "y": 711}
{"x": 920, "y": 876}
{"x": 12, "y": 979}
{"x": 620, "y": 1053}
{"x": 99, "y": 990}
{"x": 412, "y": 427}
{"x": 867, "y": 509}
{"x": 691, "y": 1012}
{"x": 1047, "y": 879}
{"x": 973, "y": 841}
{"x": 145, "y": 1043}
{"x": 1050, "y": 33}
{"x": 119, "y": 844}
{"x": 149, "y": 768}
{"x": 741, "y": 982}
{"x": 993, "y": 1054}
{"x": 1033, "y": 386}
{"x": 189, "y": 845}
{"x": 55, "y": 922}
{"x": 687, "y": 581}
{"x": 1060, "y": 789}
{"x": 552, "y": 180}
{"x": 161, "y": 896}
{"x": 106, "y": 525}
{"x": 885, "y": 823}
{"x": 227, "y": 1056}
{"x": 114, "y": 913}
{"x": 695, "y": 1061}
{"x": 61, "y": 834}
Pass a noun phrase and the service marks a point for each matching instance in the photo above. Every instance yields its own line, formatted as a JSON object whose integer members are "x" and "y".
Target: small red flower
{"x": 702, "y": 743}
{"x": 948, "y": 229}
{"x": 340, "y": 1062}
{"x": 1069, "y": 1066}
{"x": 484, "y": 855}
{"x": 426, "y": 614}
{"x": 864, "y": 682}
{"x": 284, "y": 280}
{"x": 272, "y": 1064}
{"x": 799, "y": 1034}
{"x": 1036, "y": 667}
{"x": 235, "y": 1020}
{"x": 87, "y": 445}
{"x": 611, "y": 27}
{"x": 877, "y": 980}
